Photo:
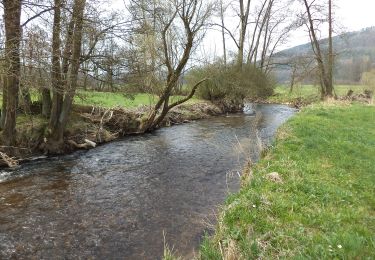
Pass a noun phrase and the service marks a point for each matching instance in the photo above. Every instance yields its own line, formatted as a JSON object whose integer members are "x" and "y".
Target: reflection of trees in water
{"x": 250, "y": 146}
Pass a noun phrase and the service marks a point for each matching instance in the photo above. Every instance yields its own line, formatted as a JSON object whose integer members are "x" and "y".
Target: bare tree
{"x": 263, "y": 26}
{"x": 35, "y": 65}
{"x": 301, "y": 66}
{"x": 179, "y": 27}
{"x": 272, "y": 27}
{"x": 102, "y": 59}
{"x": 260, "y": 21}
{"x": 325, "y": 67}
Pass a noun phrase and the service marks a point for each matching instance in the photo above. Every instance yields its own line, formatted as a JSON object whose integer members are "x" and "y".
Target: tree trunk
{"x": 254, "y": 45}
{"x": 223, "y": 32}
{"x": 4, "y": 105}
{"x": 25, "y": 102}
{"x": 329, "y": 87}
{"x": 293, "y": 78}
{"x": 57, "y": 135}
{"x": 12, "y": 17}
{"x": 244, "y": 16}
{"x": 57, "y": 89}
{"x": 46, "y": 102}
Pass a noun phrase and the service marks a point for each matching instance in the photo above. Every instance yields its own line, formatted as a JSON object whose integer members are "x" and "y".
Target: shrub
{"x": 229, "y": 82}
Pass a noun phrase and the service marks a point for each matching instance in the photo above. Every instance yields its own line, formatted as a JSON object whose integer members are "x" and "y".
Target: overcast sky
{"x": 350, "y": 15}
{"x": 356, "y": 14}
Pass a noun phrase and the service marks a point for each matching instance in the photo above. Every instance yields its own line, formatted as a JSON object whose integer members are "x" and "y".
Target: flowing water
{"x": 120, "y": 200}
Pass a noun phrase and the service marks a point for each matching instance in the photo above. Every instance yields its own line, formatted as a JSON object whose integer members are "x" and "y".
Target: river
{"x": 119, "y": 200}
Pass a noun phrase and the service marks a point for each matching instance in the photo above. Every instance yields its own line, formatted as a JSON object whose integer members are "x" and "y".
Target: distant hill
{"x": 355, "y": 53}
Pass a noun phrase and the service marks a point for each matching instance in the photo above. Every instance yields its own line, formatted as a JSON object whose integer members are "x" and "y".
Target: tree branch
{"x": 192, "y": 92}
{"x": 36, "y": 16}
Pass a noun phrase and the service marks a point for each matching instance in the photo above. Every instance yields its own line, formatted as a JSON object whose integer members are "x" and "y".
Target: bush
{"x": 229, "y": 82}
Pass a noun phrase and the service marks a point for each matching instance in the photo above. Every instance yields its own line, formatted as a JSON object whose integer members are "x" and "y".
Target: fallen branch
{"x": 14, "y": 147}
{"x": 100, "y": 129}
{"x": 86, "y": 145}
{"x": 11, "y": 162}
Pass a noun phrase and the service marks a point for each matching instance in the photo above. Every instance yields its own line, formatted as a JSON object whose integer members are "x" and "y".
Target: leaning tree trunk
{"x": 12, "y": 17}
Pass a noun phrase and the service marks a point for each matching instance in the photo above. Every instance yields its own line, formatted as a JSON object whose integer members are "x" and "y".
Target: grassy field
{"x": 325, "y": 206}
{"x": 309, "y": 92}
{"x": 108, "y": 99}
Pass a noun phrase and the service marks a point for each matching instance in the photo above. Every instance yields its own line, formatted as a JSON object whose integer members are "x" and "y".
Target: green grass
{"x": 109, "y": 99}
{"x": 309, "y": 92}
{"x": 325, "y": 207}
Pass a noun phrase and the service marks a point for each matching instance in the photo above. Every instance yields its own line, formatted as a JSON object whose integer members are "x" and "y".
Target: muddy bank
{"x": 91, "y": 126}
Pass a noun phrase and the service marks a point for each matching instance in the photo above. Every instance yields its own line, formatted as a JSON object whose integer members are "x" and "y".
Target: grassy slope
{"x": 309, "y": 92}
{"x": 325, "y": 207}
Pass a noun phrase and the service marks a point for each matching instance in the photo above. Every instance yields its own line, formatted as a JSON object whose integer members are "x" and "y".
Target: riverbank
{"x": 311, "y": 196}
{"x": 94, "y": 125}
{"x": 303, "y": 95}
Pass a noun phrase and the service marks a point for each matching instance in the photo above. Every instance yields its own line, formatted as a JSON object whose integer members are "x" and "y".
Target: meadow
{"x": 322, "y": 207}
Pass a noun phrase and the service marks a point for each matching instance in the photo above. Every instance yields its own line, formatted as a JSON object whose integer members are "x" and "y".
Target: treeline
{"x": 354, "y": 55}
{"x": 65, "y": 45}
{"x": 51, "y": 49}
